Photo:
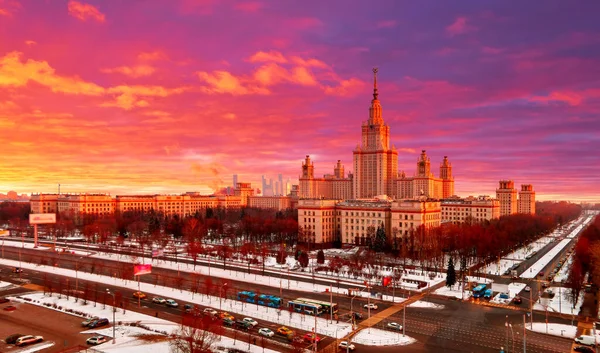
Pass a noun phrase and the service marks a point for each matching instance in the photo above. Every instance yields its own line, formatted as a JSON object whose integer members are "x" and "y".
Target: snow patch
{"x": 377, "y": 337}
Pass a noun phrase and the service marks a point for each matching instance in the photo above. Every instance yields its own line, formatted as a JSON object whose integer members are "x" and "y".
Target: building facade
{"x": 526, "y": 202}
{"x": 278, "y": 203}
{"x": 355, "y": 221}
{"x": 331, "y": 186}
{"x": 507, "y": 196}
{"x": 424, "y": 183}
{"x": 476, "y": 209}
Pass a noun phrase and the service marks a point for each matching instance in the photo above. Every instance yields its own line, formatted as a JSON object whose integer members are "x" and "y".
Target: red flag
{"x": 386, "y": 281}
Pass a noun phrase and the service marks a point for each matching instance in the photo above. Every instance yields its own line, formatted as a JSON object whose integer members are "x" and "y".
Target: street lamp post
{"x": 512, "y": 337}
{"x": 113, "y": 310}
{"x": 220, "y": 290}
{"x": 76, "y": 275}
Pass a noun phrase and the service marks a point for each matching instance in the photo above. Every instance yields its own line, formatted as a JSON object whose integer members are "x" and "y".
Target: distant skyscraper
{"x": 507, "y": 195}
{"x": 526, "y": 202}
{"x": 235, "y": 180}
{"x": 279, "y": 185}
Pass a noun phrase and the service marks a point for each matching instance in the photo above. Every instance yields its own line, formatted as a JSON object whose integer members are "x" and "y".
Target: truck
{"x": 479, "y": 290}
{"x": 488, "y": 294}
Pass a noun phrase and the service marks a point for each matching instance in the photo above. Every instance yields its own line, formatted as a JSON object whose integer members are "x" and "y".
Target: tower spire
{"x": 375, "y": 93}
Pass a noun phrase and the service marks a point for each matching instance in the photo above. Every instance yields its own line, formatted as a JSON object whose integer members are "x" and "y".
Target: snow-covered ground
{"x": 516, "y": 257}
{"x": 275, "y": 275}
{"x": 377, "y": 337}
{"x": 126, "y": 340}
{"x": 554, "y": 329}
{"x": 561, "y": 303}
{"x": 36, "y": 348}
{"x": 5, "y": 284}
{"x": 539, "y": 265}
{"x": 563, "y": 274}
{"x": 283, "y": 317}
{"x": 427, "y": 305}
{"x": 454, "y": 291}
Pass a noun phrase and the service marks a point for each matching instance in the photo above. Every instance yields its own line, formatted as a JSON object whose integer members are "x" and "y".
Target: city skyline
{"x": 134, "y": 99}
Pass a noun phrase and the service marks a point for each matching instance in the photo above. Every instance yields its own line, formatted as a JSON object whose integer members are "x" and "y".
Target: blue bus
{"x": 262, "y": 299}
{"x": 479, "y": 291}
{"x": 301, "y": 306}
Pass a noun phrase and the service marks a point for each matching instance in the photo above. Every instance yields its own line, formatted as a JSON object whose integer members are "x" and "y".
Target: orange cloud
{"x": 225, "y": 82}
{"x": 128, "y": 97}
{"x": 272, "y": 56}
{"x": 85, "y": 12}
{"x": 14, "y": 73}
{"x": 135, "y": 71}
{"x": 230, "y": 116}
{"x": 309, "y": 62}
{"x": 30, "y": 42}
{"x": 346, "y": 88}
{"x": 152, "y": 56}
{"x": 459, "y": 26}
{"x": 9, "y": 7}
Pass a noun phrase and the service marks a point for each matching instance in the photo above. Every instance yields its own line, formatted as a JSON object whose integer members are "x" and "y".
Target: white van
{"x": 586, "y": 340}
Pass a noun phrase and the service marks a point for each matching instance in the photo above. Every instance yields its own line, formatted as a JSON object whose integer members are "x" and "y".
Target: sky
{"x": 133, "y": 97}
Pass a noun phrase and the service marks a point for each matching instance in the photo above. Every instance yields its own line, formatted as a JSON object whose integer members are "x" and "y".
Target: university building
{"x": 510, "y": 204}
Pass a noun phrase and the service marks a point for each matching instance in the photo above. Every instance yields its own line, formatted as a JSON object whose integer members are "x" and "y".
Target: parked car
{"x": 345, "y": 346}
{"x": 250, "y": 321}
{"x": 89, "y": 321}
{"x": 527, "y": 289}
{"x": 584, "y": 349}
{"x": 312, "y": 338}
{"x": 517, "y": 300}
{"x": 139, "y": 295}
{"x": 171, "y": 303}
{"x": 394, "y": 326}
{"x": 243, "y": 325}
{"x": 25, "y": 340}
{"x": 10, "y": 308}
{"x": 228, "y": 322}
{"x": 284, "y": 331}
{"x": 96, "y": 340}
{"x": 98, "y": 323}
{"x": 159, "y": 300}
{"x": 210, "y": 311}
{"x": 357, "y": 316}
{"x": 266, "y": 332}
{"x": 544, "y": 284}
{"x": 370, "y": 306}
{"x": 13, "y": 338}
{"x": 586, "y": 340}
{"x": 4, "y": 300}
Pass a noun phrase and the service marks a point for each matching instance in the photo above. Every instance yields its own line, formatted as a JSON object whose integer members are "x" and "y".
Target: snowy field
{"x": 376, "y": 337}
{"x": 426, "y": 305}
{"x": 126, "y": 336}
{"x": 561, "y": 330}
{"x": 283, "y": 317}
{"x": 539, "y": 265}
{"x": 454, "y": 292}
{"x": 5, "y": 284}
{"x": 272, "y": 279}
{"x": 516, "y": 257}
{"x": 560, "y": 303}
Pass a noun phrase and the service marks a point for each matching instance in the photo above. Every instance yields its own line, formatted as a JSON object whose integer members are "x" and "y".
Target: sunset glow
{"x": 131, "y": 97}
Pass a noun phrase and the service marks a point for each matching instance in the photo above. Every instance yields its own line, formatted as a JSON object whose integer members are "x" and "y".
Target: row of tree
{"x": 586, "y": 259}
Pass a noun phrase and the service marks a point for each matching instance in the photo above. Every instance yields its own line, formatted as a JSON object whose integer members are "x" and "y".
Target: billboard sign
{"x": 42, "y": 218}
{"x": 142, "y": 269}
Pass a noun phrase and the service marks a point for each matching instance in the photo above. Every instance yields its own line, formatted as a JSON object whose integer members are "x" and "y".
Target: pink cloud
{"x": 132, "y": 71}
{"x": 305, "y": 22}
{"x": 271, "y": 56}
{"x": 346, "y": 88}
{"x": 85, "y": 12}
{"x": 152, "y": 56}
{"x": 459, "y": 26}
{"x": 250, "y": 6}
{"x": 387, "y": 24}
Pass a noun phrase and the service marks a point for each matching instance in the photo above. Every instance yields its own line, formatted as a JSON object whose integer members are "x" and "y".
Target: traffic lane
{"x": 146, "y": 306}
{"x": 62, "y": 329}
{"x": 290, "y": 294}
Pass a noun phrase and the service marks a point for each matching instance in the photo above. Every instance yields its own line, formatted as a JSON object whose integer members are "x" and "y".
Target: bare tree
{"x": 196, "y": 335}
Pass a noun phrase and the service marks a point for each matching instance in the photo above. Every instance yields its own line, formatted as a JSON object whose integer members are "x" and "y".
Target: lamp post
{"x": 220, "y": 289}
{"x": 512, "y": 334}
{"x": 113, "y": 310}
{"x": 76, "y": 275}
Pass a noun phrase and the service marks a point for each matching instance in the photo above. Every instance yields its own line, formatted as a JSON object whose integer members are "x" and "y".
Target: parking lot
{"x": 62, "y": 329}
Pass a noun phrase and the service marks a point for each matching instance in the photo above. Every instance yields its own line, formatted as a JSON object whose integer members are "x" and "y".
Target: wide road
{"x": 459, "y": 330}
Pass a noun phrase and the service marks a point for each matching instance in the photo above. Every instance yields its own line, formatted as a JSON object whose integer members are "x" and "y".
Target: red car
{"x": 311, "y": 337}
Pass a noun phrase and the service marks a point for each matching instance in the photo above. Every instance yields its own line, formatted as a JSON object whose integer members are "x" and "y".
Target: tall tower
{"x": 375, "y": 163}
{"x": 307, "y": 185}
{"x": 526, "y": 202}
{"x": 423, "y": 165}
{"x": 447, "y": 178}
{"x": 507, "y": 195}
{"x": 338, "y": 170}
